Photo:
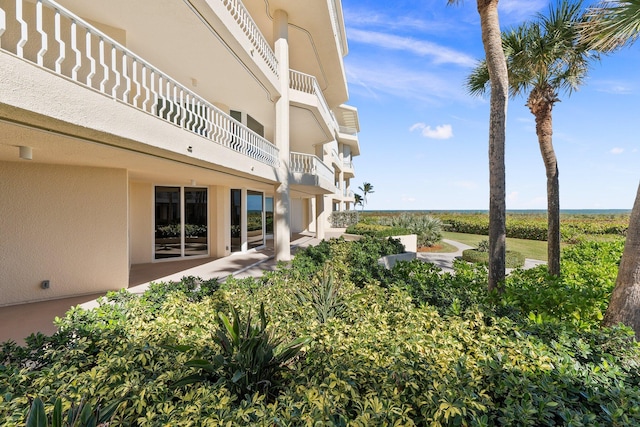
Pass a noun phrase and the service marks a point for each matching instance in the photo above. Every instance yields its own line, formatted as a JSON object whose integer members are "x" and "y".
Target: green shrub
{"x": 413, "y": 347}
{"x": 513, "y": 259}
{"x": 377, "y": 230}
{"x": 580, "y": 294}
{"x": 427, "y": 228}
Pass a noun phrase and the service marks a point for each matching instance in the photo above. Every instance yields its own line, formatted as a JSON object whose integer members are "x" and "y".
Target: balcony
{"x": 251, "y": 30}
{"x": 54, "y": 39}
{"x": 309, "y": 170}
{"x": 310, "y": 111}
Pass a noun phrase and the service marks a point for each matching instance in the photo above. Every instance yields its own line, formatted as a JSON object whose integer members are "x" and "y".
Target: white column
{"x": 321, "y": 219}
{"x": 282, "y": 202}
{"x": 342, "y": 188}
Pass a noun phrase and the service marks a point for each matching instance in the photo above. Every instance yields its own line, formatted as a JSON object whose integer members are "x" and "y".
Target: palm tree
{"x": 366, "y": 188}
{"x": 497, "y": 71}
{"x": 544, "y": 57}
{"x": 611, "y": 25}
{"x": 357, "y": 200}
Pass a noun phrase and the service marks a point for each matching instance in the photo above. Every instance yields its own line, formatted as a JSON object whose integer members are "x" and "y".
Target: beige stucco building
{"x": 138, "y": 131}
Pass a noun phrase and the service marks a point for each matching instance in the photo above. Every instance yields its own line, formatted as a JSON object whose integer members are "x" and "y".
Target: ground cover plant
{"x": 410, "y": 346}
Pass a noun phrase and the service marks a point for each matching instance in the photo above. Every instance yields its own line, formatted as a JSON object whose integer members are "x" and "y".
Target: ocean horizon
{"x": 512, "y": 211}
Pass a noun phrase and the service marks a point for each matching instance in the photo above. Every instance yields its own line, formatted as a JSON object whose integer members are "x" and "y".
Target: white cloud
{"x": 614, "y": 87}
{"x": 512, "y": 197}
{"x": 521, "y": 9}
{"x": 409, "y": 199}
{"x": 393, "y": 79}
{"x": 439, "y": 54}
{"x": 440, "y": 132}
{"x": 617, "y": 150}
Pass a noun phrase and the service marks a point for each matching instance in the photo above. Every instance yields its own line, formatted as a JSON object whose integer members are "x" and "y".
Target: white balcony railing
{"x": 309, "y": 84}
{"x": 335, "y": 155}
{"x": 250, "y": 29}
{"x": 348, "y": 130}
{"x": 53, "y": 38}
{"x": 310, "y": 164}
{"x": 335, "y": 25}
{"x": 347, "y": 164}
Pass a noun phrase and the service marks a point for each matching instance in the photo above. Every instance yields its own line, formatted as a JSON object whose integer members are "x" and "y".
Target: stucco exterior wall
{"x": 141, "y": 220}
{"x": 64, "y": 224}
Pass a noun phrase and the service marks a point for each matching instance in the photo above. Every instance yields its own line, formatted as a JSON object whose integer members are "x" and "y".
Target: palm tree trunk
{"x": 497, "y": 67}
{"x": 624, "y": 306}
{"x": 541, "y": 105}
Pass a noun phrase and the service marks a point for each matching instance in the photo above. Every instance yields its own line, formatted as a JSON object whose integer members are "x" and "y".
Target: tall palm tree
{"x": 544, "y": 57}
{"x": 366, "y": 188}
{"x": 611, "y": 25}
{"x": 497, "y": 71}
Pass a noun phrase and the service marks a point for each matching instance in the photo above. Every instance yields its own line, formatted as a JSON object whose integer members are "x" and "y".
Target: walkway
{"x": 19, "y": 321}
{"x": 445, "y": 260}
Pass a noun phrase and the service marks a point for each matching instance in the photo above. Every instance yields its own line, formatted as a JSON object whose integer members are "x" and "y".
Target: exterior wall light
{"x": 26, "y": 153}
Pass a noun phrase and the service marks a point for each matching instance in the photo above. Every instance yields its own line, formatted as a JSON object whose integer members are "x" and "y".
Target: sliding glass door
{"x": 247, "y": 220}
{"x": 255, "y": 219}
{"x": 181, "y": 222}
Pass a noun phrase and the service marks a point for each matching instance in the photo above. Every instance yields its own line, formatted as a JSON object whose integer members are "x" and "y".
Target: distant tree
{"x": 358, "y": 200}
{"x": 366, "y": 189}
{"x": 612, "y": 25}
{"x": 544, "y": 56}
{"x": 498, "y": 76}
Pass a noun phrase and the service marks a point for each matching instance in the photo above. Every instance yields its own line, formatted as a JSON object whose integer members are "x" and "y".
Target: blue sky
{"x": 424, "y": 139}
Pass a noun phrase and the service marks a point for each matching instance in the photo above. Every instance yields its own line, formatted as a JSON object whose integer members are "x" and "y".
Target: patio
{"x": 18, "y": 321}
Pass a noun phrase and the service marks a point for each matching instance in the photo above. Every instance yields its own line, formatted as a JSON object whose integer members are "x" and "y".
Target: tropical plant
{"x": 499, "y": 80}
{"x": 80, "y": 415}
{"x": 427, "y": 228}
{"x": 366, "y": 189}
{"x": 251, "y": 358}
{"x": 611, "y": 25}
{"x": 358, "y": 200}
{"x": 544, "y": 57}
{"x": 323, "y": 295}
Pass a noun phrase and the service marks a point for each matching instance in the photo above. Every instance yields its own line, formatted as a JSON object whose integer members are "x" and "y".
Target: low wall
{"x": 390, "y": 261}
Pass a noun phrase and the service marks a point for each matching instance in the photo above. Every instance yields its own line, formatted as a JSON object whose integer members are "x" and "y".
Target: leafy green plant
{"x": 323, "y": 295}
{"x": 79, "y": 415}
{"x": 377, "y": 230}
{"x": 427, "y": 228}
{"x": 513, "y": 259}
{"x": 251, "y": 359}
{"x": 483, "y": 246}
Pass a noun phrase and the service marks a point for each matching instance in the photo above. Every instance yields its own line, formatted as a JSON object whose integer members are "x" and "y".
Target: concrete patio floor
{"x": 19, "y": 321}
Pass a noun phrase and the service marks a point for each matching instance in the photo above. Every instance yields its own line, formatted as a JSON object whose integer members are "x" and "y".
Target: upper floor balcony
{"x": 348, "y": 127}
{"x": 309, "y": 170}
{"x": 53, "y": 39}
{"x": 314, "y": 122}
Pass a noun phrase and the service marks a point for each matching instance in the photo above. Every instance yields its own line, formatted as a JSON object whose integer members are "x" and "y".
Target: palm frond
{"x": 611, "y": 24}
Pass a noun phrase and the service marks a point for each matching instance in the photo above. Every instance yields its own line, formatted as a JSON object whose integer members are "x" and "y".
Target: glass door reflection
{"x": 195, "y": 222}
{"x": 255, "y": 215}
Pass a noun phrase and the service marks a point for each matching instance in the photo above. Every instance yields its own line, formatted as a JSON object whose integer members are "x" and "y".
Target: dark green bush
{"x": 580, "y": 294}
{"x": 513, "y": 259}
{"x": 377, "y": 230}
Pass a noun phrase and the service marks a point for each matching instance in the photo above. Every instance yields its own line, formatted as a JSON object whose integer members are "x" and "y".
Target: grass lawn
{"x": 533, "y": 249}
